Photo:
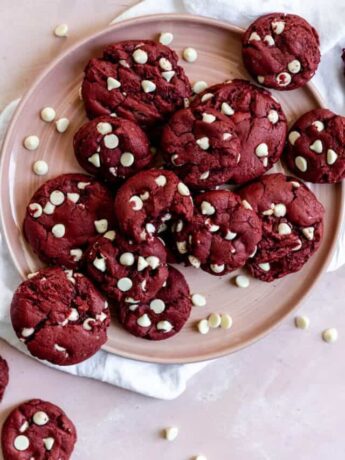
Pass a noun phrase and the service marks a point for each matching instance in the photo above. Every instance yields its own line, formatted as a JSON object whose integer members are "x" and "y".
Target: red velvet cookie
{"x": 137, "y": 79}
{"x": 164, "y": 315}
{"x": 281, "y": 51}
{"x": 60, "y": 316}
{"x": 316, "y": 147}
{"x": 64, "y": 214}
{"x": 38, "y": 430}
{"x": 222, "y": 235}
{"x": 201, "y": 146}
{"x": 149, "y": 200}
{"x": 292, "y": 225}
{"x": 125, "y": 270}
{"x": 3, "y": 377}
{"x": 112, "y": 148}
{"x": 259, "y": 121}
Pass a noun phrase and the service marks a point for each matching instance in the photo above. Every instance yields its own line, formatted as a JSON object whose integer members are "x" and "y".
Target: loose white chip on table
{"x": 242, "y": 281}
{"x": 40, "y": 168}
{"x": 203, "y": 326}
{"x": 190, "y": 54}
{"x": 61, "y": 30}
{"x": 302, "y": 322}
{"x": 62, "y": 124}
{"x": 48, "y": 114}
{"x": 31, "y": 142}
{"x": 330, "y": 335}
{"x": 171, "y": 433}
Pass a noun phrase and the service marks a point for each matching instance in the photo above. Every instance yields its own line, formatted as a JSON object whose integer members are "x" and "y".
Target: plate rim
{"x": 164, "y": 17}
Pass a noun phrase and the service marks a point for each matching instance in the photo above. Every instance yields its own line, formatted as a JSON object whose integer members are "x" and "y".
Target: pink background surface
{"x": 281, "y": 399}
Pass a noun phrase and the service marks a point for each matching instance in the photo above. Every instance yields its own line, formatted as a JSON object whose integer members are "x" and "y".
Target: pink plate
{"x": 254, "y": 310}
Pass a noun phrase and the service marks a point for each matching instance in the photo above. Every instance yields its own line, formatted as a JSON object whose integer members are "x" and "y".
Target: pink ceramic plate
{"x": 255, "y": 310}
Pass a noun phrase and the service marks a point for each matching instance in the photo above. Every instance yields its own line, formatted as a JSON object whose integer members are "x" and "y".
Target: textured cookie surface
{"x": 148, "y": 201}
{"x": 125, "y": 270}
{"x": 164, "y": 315}
{"x": 201, "y": 146}
{"x": 38, "y": 430}
{"x": 64, "y": 214}
{"x": 292, "y": 225}
{"x": 60, "y": 316}
{"x": 316, "y": 147}
{"x": 137, "y": 80}
{"x": 222, "y": 235}
{"x": 3, "y": 376}
{"x": 259, "y": 121}
{"x": 112, "y": 148}
{"x": 281, "y": 51}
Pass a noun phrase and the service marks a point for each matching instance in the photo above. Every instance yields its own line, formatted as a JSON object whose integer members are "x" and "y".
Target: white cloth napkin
{"x": 169, "y": 381}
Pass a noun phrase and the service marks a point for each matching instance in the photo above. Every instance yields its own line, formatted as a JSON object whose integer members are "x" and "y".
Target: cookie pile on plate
{"x": 160, "y": 163}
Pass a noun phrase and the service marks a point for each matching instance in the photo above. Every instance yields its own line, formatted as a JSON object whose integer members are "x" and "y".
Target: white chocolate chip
{"x": 308, "y": 232}
{"x": 199, "y": 86}
{"x": 61, "y": 30}
{"x": 273, "y": 116}
{"x": 269, "y": 40}
{"x": 261, "y": 150}
{"x": 302, "y": 322}
{"x": 330, "y": 335}
{"x": 24, "y": 427}
{"x": 87, "y": 324}
{"x": 153, "y": 261}
{"x": 58, "y": 230}
{"x": 293, "y": 136}
{"x": 57, "y": 197}
{"x": 182, "y": 247}
{"x": 124, "y": 284}
{"x": 268, "y": 212}
{"x": 144, "y": 196}
{"x": 242, "y": 281}
{"x": 99, "y": 263}
{"x": 316, "y": 146}
{"x": 168, "y": 75}
{"x": 31, "y": 142}
{"x": 111, "y": 141}
{"x": 140, "y": 56}
{"x": 21, "y": 442}
{"x": 265, "y": 161}
{"x": 246, "y": 205}
{"x": 48, "y": 443}
{"x": 101, "y": 317}
{"x": 171, "y": 433}
{"x": 127, "y": 259}
{"x": 143, "y": 285}
{"x": 208, "y": 118}
{"x": 142, "y": 263}
{"x": 36, "y": 209}
{"x": 190, "y": 54}
{"x": 40, "y": 168}
{"x": 254, "y": 37}
{"x": 284, "y": 229}
{"x": 144, "y": 321}
{"x": 104, "y": 128}
{"x": 226, "y": 321}
{"x": 73, "y": 315}
{"x": 301, "y": 163}
{"x": 58, "y": 348}
{"x": 266, "y": 267}
{"x": 183, "y": 189}
{"x": 77, "y": 254}
{"x": 165, "y": 64}
{"x": 137, "y": 203}
{"x": 217, "y": 268}
{"x": 279, "y": 210}
{"x": 124, "y": 63}
{"x": 164, "y": 326}
{"x": 49, "y": 208}
{"x": 295, "y": 184}
{"x": 62, "y": 125}
{"x": 227, "y": 109}
{"x": 331, "y": 157}
{"x": 194, "y": 261}
{"x": 157, "y": 305}
{"x": 207, "y": 209}
{"x": 294, "y": 66}
{"x": 227, "y": 136}
{"x": 148, "y": 86}
{"x": 161, "y": 180}
{"x": 127, "y": 159}
{"x": 318, "y": 125}
{"x": 40, "y": 418}
{"x": 203, "y": 143}
{"x": 198, "y": 300}
{"x": 110, "y": 235}
{"x": 203, "y": 326}
{"x": 204, "y": 175}
{"x": 260, "y": 79}
{"x": 179, "y": 226}
{"x": 166, "y": 38}
{"x": 278, "y": 27}
{"x": 101, "y": 225}
{"x": 150, "y": 228}
{"x": 74, "y": 197}
{"x": 283, "y": 79}
{"x": 206, "y": 97}
{"x": 230, "y": 235}
{"x": 212, "y": 227}
{"x": 214, "y": 320}
{"x": 112, "y": 83}
{"x": 83, "y": 185}
{"x": 27, "y": 331}
{"x": 48, "y": 114}
{"x": 254, "y": 252}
